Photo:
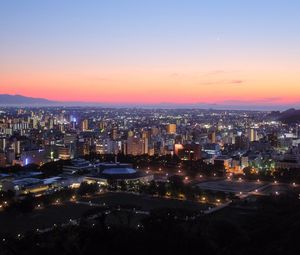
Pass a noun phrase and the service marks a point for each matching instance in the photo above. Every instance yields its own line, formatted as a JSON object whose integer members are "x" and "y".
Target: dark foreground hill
{"x": 289, "y": 116}
{"x": 272, "y": 226}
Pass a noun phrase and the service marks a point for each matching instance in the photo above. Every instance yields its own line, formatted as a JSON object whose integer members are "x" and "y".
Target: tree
{"x": 161, "y": 189}
{"x": 152, "y": 189}
{"x": 25, "y": 205}
{"x": 176, "y": 182}
{"x": 88, "y": 189}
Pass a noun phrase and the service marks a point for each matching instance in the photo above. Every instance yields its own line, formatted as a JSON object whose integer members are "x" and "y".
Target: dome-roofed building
{"x": 115, "y": 172}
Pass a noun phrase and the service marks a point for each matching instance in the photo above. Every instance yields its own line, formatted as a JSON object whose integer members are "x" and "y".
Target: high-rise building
{"x": 154, "y": 131}
{"x": 102, "y": 124}
{"x": 10, "y": 156}
{"x": 177, "y": 148}
{"x": 114, "y": 133}
{"x": 70, "y": 139}
{"x": 135, "y": 146}
{"x": 252, "y": 134}
{"x": 212, "y": 137}
{"x": 64, "y": 153}
{"x": 189, "y": 152}
{"x": 17, "y": 147}
{"x": 2, "y": 159}
{"x": 145, "y": 134}
{"x": 171, "y": 129}
{"x": 85, "y": 125}
{"x": 2, "y": 144}
{"x": 146, "y": 145}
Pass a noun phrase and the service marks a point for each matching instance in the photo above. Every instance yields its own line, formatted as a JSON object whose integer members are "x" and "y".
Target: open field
{"x": 230, "y": 186}
{"x": 13, "y": 222}
{"x": 146, "y": 203}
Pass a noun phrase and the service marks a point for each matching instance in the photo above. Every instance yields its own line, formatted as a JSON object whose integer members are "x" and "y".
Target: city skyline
{"x": 149, "y": 127}
{"x": 175, "y": 52}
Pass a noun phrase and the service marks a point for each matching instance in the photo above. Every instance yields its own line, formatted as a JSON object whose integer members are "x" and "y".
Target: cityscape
{"x": 118, "y": 134}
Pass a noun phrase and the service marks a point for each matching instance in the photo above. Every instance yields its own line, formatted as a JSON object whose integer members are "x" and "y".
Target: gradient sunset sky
{"x": 152, "y": 51}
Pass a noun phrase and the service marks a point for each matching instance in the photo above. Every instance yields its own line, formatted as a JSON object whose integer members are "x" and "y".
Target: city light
{"x": 149, "y": 126}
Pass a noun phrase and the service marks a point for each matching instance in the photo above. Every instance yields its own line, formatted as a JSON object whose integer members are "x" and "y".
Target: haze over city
{"x": 152, "y": 52}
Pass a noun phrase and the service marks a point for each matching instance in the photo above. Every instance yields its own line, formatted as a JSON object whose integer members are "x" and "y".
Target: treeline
{"x": 48, "y": 169}
{"x": 176, "y": 188}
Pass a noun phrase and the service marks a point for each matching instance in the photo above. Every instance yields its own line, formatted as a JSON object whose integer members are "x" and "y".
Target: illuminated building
{"x": 171, "y": 129}
{"x": 135, "y": 146}
{"x": 252, "y": 134}
{"x": 70, "y": 139}
{"x": 114, "y": 173}
{"x": 223, "y": 161}
{"x": 85, "y": 125}
{"x": 177, "y": 149}
{"x": 2, "y": 144}
{"x": 114, "y": 133}
{"x": 212, "y": 149}
{"x": 189, "y": 152}
{"x": 64, "y": 153}
{"x": 212, "y": 137}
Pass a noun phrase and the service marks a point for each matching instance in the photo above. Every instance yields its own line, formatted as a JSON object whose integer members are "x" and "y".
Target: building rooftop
{"x": 125, "y": 170}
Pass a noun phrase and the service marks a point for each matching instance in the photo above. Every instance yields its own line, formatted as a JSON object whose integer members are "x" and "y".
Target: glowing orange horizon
{"x": 152, "y": 87}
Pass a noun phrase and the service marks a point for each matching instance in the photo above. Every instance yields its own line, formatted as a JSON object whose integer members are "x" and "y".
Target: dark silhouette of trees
{"x": 88, "y": 189}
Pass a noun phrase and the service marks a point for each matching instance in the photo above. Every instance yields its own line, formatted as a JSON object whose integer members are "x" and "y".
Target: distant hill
{"x": 6, "y": 99}
{"x": 289, "y": 116}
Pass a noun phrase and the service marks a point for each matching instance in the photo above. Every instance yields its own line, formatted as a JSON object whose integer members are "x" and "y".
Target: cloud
{"x": 237, "y": 81}
{"x": 175, "y": 75}
{"x": 215, "y": 72}
{"x": 220, "y": 72}
{"x": 223, "y": 82}
{"x": 273, "y": 99}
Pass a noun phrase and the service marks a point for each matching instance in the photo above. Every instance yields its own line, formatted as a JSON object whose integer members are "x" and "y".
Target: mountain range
{"x": 6, "y": 99}
{"x": 19, "y": 100}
